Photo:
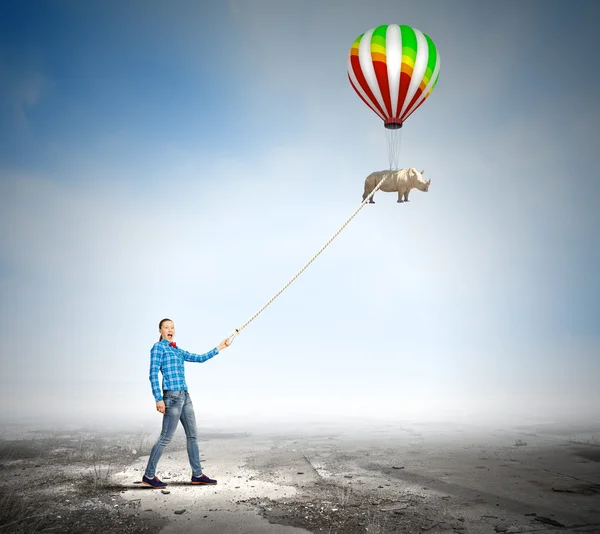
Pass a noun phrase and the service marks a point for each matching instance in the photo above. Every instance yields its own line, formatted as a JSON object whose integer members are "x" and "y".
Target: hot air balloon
{"x": 393, "y": 68}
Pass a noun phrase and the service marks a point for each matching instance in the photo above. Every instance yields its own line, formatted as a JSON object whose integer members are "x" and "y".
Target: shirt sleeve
{"x": 155, "y": 365}
{"x": 199, "y": 358}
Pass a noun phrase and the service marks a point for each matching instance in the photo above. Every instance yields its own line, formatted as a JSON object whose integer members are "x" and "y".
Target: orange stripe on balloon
{"x": 375, "y": 56}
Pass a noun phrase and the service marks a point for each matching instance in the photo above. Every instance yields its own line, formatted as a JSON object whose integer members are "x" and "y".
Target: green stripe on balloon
{"x": 432, "y": 57}
{"x": 358, "y": 40}
{"x": 379, "y": 35}
{"x": 409, "y": 42}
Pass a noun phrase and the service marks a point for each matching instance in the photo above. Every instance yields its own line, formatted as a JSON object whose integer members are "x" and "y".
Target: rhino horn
{"x": 422, "y": 172}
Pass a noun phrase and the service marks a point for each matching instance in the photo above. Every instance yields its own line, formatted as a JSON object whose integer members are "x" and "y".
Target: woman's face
{"x": 167, "y": 330}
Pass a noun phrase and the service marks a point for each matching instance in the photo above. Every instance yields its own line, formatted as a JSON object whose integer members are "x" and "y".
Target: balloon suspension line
{"x": 238, "y": 330}
{"x": 394, "y": 140}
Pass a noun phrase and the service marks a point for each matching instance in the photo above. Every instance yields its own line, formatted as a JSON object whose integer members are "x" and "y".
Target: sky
{"x": 186, "y": 159}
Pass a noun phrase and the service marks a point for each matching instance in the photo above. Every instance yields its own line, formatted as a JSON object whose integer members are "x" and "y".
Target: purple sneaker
{"x": 203, "y": 480}
{"x": 153, "y": 482}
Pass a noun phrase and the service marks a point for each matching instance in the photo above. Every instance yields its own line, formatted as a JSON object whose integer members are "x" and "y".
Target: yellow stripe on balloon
{"x": 408, "y": 61}
{"x": 377, "y": 49}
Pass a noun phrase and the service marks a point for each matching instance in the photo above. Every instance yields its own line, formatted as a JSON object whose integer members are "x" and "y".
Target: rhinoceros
{"x": 400, "y": 181}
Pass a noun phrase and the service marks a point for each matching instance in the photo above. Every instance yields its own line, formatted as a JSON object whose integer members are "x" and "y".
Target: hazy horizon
{"x": 186, "y": 160}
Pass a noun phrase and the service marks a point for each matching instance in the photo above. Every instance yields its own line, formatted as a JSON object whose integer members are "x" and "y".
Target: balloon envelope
{"x": 393, "y": 68}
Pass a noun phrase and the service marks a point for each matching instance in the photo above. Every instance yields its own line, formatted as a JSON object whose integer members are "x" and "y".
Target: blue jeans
{"x": 178, "y": 406}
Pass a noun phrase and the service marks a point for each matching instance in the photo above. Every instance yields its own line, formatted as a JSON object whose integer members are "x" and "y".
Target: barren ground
{"x": 387, "y": 478}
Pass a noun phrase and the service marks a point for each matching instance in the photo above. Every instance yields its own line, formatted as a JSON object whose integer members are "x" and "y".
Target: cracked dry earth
{"x": 409, "y": 480}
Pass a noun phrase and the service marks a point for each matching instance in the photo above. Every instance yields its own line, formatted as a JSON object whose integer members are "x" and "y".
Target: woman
{"x": 174, "y": 402}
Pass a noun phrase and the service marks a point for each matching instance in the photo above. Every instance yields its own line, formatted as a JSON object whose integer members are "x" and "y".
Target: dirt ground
{"x": 378, "y": 479}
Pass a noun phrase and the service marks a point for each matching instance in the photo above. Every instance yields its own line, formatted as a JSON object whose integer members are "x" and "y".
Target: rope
{"x": 238, "y": 330}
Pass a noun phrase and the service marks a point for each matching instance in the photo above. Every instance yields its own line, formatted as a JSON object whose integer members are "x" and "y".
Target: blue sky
{"x": 185, "y": 160}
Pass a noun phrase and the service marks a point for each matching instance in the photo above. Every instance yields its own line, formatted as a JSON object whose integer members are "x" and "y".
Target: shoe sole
{"x": 153, "y": 487}
{"x": 204, "y": 483}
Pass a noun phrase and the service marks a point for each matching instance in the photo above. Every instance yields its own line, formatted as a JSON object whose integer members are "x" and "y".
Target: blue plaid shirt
{"x": 169, "y": 361}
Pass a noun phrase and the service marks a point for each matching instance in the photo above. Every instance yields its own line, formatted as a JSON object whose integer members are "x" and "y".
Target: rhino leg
{"x": 406, "y": 196}
{"x": 400, "y": 195}
{"x": 366, "y": 191}
{"x": 365, "y": 195}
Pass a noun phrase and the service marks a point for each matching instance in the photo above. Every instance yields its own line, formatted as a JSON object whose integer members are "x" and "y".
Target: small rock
{"x": 300, "y": 473}
{"x": 179, "y": 512}
{"x": 548, "y": 521}
{"x": 133, "y": 451}
{"x": 397, "y": 467}
{"x": 166, "y": 492}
